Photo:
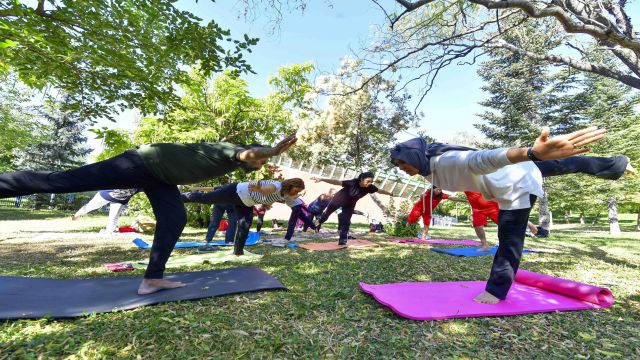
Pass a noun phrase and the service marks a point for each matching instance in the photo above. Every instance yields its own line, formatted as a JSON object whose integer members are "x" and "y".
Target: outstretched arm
{"x": 384, "y": 192}
{"x": 558, "y": 147}
{"x": 328, "y": 181}
{"x": 267, "y": 152}
{"x": 264, "y": 190}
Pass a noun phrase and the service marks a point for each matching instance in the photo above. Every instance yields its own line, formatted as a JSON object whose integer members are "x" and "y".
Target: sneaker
{"x": 207, "y": 248}
{"x": 349, "y": 238}
{"x": 279, "y": 242}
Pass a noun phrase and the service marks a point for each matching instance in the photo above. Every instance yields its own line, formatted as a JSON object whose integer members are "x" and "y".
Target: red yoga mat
{"x": 531, "y": 293}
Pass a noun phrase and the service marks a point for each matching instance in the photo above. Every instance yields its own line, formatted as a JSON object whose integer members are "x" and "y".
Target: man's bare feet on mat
{"x": 483, "y": 248}
{"x": 486, "y": 298}
{"x": 630, "y": 169}
{"x": 149, "y": 286}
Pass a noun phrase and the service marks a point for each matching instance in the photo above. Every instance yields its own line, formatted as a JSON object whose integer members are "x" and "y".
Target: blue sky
{"x": 324, "y": 34}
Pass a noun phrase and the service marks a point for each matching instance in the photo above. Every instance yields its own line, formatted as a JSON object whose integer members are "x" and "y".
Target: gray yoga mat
{"x": 28, "y": 298}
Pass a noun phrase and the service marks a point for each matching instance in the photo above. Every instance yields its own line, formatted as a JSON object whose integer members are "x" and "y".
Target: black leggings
{"x": 259, "y": 222}
{"x": 227, "y": 195}
{"x": 297, "y": 213}
{"x": 611, "y": 168}
{"x": 344, "y": 219}
{"x": 124, "y": 171}
{"x": 512, "y": 224}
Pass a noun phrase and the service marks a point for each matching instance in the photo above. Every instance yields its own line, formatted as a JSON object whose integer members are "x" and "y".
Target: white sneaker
{"x": 279, "y": 242}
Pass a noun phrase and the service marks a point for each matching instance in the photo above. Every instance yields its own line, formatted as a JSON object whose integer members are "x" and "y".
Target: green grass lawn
{"x": 323, "y": 315}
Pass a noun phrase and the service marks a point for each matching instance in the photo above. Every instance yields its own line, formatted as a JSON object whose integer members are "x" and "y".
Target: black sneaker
{"x": 350, "y": 237}
{"x": 542, "y": 232}
{"x": 342, "y": 242}
{"x": 207, "y": 248}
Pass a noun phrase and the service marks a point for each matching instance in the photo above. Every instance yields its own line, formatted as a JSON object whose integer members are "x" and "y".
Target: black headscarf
{"x": 417, "y": 153}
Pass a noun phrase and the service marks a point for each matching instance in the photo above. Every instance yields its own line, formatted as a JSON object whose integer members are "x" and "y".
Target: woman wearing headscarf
{"x": 346, "y": 198}
{"x": 510, "y": 176}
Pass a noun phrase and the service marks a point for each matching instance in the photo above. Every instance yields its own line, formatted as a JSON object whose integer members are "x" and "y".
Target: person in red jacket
{"x": 481, "y": 211}
{"x": 420, "y": 208}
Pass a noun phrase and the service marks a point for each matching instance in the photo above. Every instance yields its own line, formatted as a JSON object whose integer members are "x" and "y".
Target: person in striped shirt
{"x": 246, "y": 194}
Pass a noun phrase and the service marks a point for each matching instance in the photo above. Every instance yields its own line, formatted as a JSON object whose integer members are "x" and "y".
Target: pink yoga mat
{"x": 328, "y": 246}
{"x": 531, "y": 293}
{"x": 436, "y": 241}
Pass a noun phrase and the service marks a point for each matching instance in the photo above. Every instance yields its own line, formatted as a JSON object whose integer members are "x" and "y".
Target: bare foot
{"x": 483, "y": 248}
{"x": 486, "y": 298}
{"x": 630, "y": 169}
{"x": 149, "y": 286}
{"x": 75, "y": 217}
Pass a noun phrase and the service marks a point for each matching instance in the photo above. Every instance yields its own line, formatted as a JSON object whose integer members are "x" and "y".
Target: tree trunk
{"x": 614, "y": 226}
{"x": 543, "y": 212}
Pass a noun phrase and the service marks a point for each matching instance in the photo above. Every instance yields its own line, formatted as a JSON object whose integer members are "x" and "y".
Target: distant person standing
{"x": 117, "y": 200}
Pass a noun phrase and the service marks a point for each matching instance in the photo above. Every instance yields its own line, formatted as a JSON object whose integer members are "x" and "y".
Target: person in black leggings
{"x": 298, "y": 211}
{"x": 346, "y": 198}
{"x": 157, "y": 169}
{"x": 510, "y": 176}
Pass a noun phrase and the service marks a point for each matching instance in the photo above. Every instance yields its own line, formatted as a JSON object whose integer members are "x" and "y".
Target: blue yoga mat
{"x": 473, "y": 251}
{"x": 253, "y": 239}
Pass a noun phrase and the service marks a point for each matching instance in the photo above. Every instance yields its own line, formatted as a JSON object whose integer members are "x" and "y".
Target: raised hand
{"x": 285, "y": 144}
{"x": 315, "y": 179}
{"x": 558, "y": 147}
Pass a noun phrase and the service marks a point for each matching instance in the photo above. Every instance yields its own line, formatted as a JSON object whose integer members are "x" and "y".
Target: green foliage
{"x": 115, "y": 142}
{"x": 354, "y": 128}
{"x": 400, "y": 227}
{"x": 18, "y": 123}
{"x": 606, "y": 103}
{"x": 524, "y": 95}
{"x": 61, "y": 144}
{"x": 109, "y": 55}
{"x": 219, "y": 109}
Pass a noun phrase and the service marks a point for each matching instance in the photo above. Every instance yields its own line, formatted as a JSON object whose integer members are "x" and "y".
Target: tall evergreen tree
{"x": 61, "y": 144}
{"x": 525, "y": 96}
{"x": 611, "y": 105}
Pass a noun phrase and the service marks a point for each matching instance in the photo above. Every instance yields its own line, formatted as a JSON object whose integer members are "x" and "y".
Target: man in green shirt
{"x": 158, "y": 169}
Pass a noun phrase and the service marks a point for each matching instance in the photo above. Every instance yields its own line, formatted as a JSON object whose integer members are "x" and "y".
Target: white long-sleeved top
{"x": 489, "y": 172}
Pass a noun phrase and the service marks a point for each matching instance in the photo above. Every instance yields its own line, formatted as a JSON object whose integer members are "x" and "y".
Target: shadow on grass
{"x": 26, "y": 214}
{"x": 323, "y": 315}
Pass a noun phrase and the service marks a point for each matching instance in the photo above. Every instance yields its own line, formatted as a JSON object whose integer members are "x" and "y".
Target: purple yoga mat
{"x": 530, "y": 293}
{"x": 436, "y": 241}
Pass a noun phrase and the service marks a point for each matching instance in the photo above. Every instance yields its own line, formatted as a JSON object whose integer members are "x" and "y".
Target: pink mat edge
{"x": 364, "y": 287}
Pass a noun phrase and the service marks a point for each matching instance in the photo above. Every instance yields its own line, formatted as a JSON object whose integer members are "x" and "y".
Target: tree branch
{"x": 629, "y": 80}
{"x": 565, "y": 20}
{"x": 412, "y": 6}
